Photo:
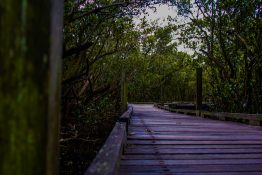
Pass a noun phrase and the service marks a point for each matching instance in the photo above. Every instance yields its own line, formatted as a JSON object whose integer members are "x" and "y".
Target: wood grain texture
{"x": 161, "y": 142}
{"x": 251, "y": 119}
{"x": 107, "y": 160}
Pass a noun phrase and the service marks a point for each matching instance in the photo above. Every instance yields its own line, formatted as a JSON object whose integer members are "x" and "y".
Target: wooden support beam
{"x": 198, "y": 89}
{"x": 30, "y": 69}
{"x": 123, "y": 92}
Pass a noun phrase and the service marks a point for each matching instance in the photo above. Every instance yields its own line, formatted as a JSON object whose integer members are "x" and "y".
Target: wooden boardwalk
{"x": 161, "y": 142}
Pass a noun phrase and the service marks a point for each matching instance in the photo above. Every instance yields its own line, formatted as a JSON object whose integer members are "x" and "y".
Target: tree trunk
{"x": 198, "y": 89}
{"x": 123, "y": 92}
{"x": 30, "y": 64}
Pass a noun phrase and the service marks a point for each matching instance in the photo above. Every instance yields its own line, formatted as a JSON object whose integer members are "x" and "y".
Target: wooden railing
{"x": 251, "y": 119}
{"x": 108, "y": 158}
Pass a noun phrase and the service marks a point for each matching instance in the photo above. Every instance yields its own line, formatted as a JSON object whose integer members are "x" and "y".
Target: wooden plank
{"x": 192, "y": 156}
{"x": 207, "y": 133}
{"x": 179, "y": 123}
{"x": 130, "y": 146}
{"x": 125, "y": 117}
{"x": 193, "y": 128}
{"x": 252, "y": 119}
{"x": 186, "y": 137}
{"x": 107, "y": 160}
{"x": 257, "y": 117}
{"x": 192, "y": 168}
{"x": 192, "y": 162}
{"x": 188, "y": 123}
{"x": 177, "y": 128}
{"x": 189, "y": 142}
{"x": 192, "y": 151}
{"x": 196, "y": 132}
{"x": 160, "y": 142}
{"x": 202, "y": 173}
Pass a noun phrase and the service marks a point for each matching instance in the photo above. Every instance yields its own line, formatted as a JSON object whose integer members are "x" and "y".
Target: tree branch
{"x": 97, "y": 10}
{"x": 75, "y": 50}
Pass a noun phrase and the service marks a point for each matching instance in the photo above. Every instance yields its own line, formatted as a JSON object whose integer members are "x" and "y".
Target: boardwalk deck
{"x": 160, "y": 142}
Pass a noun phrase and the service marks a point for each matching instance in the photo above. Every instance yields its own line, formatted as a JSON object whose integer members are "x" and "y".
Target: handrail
{"x": 125, "y": 117}
{"x": 251, "y": 119}
{"x": 142, "y": 102}
{"x": 108, "y": 158}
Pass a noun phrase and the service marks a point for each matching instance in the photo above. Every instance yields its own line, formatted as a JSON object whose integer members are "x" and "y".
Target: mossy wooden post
{"x": 30, "y": 64}
{"x": 198, "y": 89}
{"x": 123, "y": 92}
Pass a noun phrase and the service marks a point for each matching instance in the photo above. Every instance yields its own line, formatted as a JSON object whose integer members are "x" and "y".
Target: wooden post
{"x": 123, "y": 93}
{"x": 30, "y": 69}
{"x": 198, "y": 89}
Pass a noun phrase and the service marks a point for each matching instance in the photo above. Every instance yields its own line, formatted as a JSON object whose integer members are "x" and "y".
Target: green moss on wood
{"x": 24, "y": 68}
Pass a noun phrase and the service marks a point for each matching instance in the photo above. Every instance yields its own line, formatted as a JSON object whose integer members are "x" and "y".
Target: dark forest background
{"x": 102, "y": 41}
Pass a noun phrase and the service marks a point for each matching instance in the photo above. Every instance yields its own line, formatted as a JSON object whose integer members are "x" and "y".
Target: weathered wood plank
{"x": 204, "y": 132}
{"x": 193, "y": 162}
{"x": 160, "y": 142}
{"x": 107, "y": 160}
{"x": 130, "y": 146}
{"x": 252, "y": 119}
{"x": 202, "y": 173}
{"x": 189, "y": 142}
{"x": 191, "y": 169}
{"x": 192, "y": 151}
{"x": 125, "y": 117}
{"x": 195, "y": 133}
{"x": 179, "y": 129}
{"x": 192, "y": 156}
{"x": 191, "y": 137}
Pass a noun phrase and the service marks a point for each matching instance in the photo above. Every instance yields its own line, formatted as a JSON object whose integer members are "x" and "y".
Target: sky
{"x": 161, "y": 13}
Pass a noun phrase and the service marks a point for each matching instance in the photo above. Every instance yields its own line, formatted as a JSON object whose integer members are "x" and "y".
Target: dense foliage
{"x": 227, "y": 36}
{"x": 101, "y": 41}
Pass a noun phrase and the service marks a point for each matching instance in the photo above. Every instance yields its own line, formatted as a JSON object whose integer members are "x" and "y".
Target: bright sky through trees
{"x": 161, "y": 13}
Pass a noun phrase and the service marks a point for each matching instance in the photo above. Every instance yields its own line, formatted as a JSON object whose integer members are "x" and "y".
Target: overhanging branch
{"x": 75, "y": 50}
